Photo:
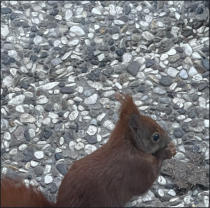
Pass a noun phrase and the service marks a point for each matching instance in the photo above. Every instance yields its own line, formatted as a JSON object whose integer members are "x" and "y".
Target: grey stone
{"x": 205, "y": 63}
{"x": 133, "y": 68}
{"x": 91, "y": 139}
{"x": 67, "y": 90}
{"x": 165, "y": 81}
{"x": 178, "y": 132}
{"x": 38, "y": 170}
{"x": 62, "y": 168}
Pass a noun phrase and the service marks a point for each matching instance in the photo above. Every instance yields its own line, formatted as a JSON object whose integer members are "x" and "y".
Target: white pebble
{"x": 119, "y": 22}
{"x": 34, "y": 163}
{"x": 171, "y": 52}
{"x": 7, "y": 136}
{"x": 73, "y": 115}
{"x": 96, "y": 11}
{"x": 187, "y": 49}
{"x": 196, "y": 55}
{"x": 77, "y": 30}
{"x": 68, "y": 14}
{"x": 39, "y": 154}
{"x": 91, "y": 99}
{"x": 161, "y": 192}
{"x": 206, "y": 123}
{"x": 91, "y": 130}
{"x": 108, "y": 124}
{"x": 171, "y": 192}
{"x": 48, "y": 179}
{"x": 4, "y": 30}
{"x": 27, "y": 118}
{"x": 127, "y": 57}
{"x": 172, "y": 72}
{"x": 79, "y": 146}
{"x": 164, "y": 57}
{"x": 161, "y": 180}
{"x": 89, "y": 148}
{"x": 22, "y": 147}
{"x": 73, "y": 42}
{"x": 192, "y": 71}
{"x": 37, "y": 40}
{"x": 17, "y": 100}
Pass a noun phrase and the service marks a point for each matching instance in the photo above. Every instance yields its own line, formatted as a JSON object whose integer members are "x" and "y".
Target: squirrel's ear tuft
{"x": 128, "y": 107}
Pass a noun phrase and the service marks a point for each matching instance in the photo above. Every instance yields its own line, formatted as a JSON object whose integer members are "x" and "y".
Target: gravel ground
{"x": 62, "y": 62}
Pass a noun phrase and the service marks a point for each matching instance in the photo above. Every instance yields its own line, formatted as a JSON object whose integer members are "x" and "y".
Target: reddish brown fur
{"x": 15, "y": 194}
{"x": 118, "y": 170}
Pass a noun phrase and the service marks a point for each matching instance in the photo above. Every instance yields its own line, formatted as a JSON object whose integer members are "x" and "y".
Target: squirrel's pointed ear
{"x": 133, "y": 123}
{"x": 120, "y": 97}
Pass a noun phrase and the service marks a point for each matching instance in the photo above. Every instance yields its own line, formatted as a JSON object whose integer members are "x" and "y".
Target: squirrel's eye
{"x": 155, "y": 137}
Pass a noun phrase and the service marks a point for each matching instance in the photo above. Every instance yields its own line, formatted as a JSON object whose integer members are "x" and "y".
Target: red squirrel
{"x": 127, "y": 165}
{"x": 14, "y": 193}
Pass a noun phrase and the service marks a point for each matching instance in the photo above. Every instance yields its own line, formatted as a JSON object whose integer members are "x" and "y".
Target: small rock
{"x": 91, "y": 139}
{"x": 62, "y": 168}
{"x": 171, "y": 192}
{"x": 171, "y": 52}
{"x": 133, "y": 68}
{"x": 196, "y": 55}
{"x": 148, "y": 36}
{"x": 172, "y": 72}
{"x": 183, "y": 74}
{"x": 187, "y": 199}
{"x": 49, "y": 86}
{"x": 73, "y": 42}
{"x": 149, "y": 63}
{"x": 27, "y": 118}
{"x": 68, "y": 15}
{"x": 73, "y": 115}
{"x": 4, "y": 31}
{"x": 179, "y": 156}
{"x": 17, "y": 100}
{"x": 48, "y": 179}
{"x": 91, "y": 99}
{"x": 89, "y": 148}
{"x": 67, "y": 90}
{"x": 174, "y": 58}
{"x": 91, "y": 130}
{"x": 39, "y": 170}
{"x": 192, "y": 71}
{"x": 206, "y": 123}
{"x": 178, "y": 133}
{"x": 6, "y": 10}
{"x": 96, "y": 10}
{"x": 161, "y": 180}
{"x": 205, "y": 63}
{"x": 7, "y": 81}
{"x": 119, "y": 22}
{"x": 160, "y": 192}
{"x": 39, "y": 154}
{"x": 127, "y": 57}
{"x": 165, "y": 81}
{"x": 77, "y": 30}
{"x": 108, "y": 124}
{"x": 79, "y": 146}
{"x": 42, "y": 99}
{"x": 163, "y": 57}
{"x": 37, "y": 40}
{"x": 159, "y": 91}
{"x": 187, "y": 49}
